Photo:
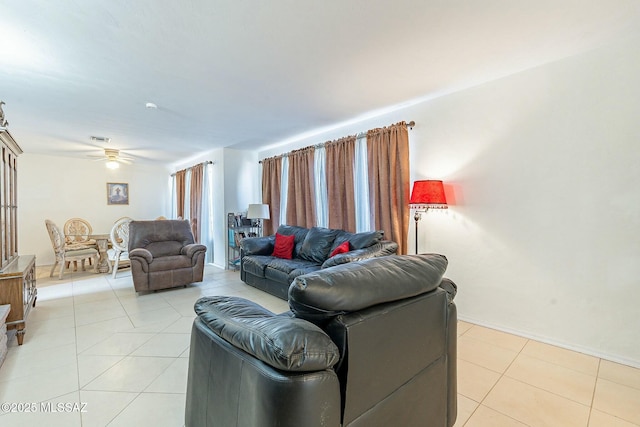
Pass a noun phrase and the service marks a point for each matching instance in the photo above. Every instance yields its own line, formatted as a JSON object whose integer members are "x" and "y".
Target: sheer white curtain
{"x": 361, "y": 184}
{"x": 187, "y": 192}
{"x": 206, "y": 226}
{"x": 284, "y": 190}
{"x": 320, "y": 182}
{"x": 174, "y": 204}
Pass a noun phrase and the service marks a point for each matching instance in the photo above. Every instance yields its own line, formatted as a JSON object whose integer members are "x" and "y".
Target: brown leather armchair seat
{"x": 163, "y": 255}
{"x": 366, "y": 344}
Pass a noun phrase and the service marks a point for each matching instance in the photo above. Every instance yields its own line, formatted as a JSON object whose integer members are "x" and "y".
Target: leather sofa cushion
{"x": 256, "y": 264}
{"x": 302, "y": 270}
{"x": 285, "y": 343}
{"x": 357, "y": 285}
{"x": 317, "y": 244}
{"x": 299, "y": 232}
{"x": 357, "y": 240}
{"x": 279, "y": 269}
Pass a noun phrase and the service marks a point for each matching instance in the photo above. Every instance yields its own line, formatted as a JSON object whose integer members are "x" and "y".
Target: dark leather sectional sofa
{"x": 311, "y": 252}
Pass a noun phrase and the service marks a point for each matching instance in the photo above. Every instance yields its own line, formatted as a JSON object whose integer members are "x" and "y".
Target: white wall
{"x": 541, "y": 169}
{"x": 235, "y": 185}
{"x": 59, "y": 188}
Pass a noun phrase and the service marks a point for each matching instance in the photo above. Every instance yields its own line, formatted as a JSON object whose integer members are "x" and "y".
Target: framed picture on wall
{"x": 117, "y": 193}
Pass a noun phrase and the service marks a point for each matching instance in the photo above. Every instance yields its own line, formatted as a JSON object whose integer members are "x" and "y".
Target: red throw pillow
{"x": 283, "y": 247}
{"x": 344, "y": 247}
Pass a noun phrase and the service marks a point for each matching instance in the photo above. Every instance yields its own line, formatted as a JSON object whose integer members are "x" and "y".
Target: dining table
{"x": 102, "y": 242}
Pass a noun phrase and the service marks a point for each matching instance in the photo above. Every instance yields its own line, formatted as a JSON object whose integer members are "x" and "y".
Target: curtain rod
{"x": 206, "y": 162}
{"x": 410, "y": 125}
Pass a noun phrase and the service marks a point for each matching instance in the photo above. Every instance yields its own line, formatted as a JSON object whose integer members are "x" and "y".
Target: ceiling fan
{"x": 113, "y": 158}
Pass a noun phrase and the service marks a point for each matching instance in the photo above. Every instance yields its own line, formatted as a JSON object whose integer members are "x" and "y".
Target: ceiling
{"x": 247, "y": 74}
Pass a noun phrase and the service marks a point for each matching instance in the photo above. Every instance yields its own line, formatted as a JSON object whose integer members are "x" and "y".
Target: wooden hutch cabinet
{"x": 17, "y": 273}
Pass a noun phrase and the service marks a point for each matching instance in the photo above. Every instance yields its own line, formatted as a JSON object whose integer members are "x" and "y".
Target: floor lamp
{"x": 424, "y": 195}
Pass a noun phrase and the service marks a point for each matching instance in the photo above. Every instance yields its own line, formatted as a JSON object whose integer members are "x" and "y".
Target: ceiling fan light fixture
{"x": 112, "y": 164}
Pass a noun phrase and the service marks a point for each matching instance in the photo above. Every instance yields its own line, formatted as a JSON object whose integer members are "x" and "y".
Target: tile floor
{"x": 92, "y": 341}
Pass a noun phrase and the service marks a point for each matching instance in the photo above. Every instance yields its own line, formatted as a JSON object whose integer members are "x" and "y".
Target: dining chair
{"x": 66, "y": 253}
{"x": 119, "y": 244}
{"x": 77, "y": 231}
{"x": 76, "y": 234}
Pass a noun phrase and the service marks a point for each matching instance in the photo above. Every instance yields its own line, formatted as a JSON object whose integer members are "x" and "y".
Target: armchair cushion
{"x": 354, "y": 286}
{"x": 282, "y": 342}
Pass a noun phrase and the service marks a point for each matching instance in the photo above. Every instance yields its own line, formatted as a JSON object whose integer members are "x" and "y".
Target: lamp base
{"x": 417, "y": 216}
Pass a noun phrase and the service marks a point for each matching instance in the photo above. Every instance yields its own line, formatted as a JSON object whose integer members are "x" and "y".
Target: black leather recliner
{"x": 368, "y": 343}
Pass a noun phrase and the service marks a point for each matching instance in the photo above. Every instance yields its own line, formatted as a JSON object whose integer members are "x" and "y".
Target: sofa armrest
{"x": 141, "y": 254}
{"x": 257, "y": 245}
{"x": 383, "y": 248}
{"x": 192, "y": 249}
{"x": 451, "y": 288}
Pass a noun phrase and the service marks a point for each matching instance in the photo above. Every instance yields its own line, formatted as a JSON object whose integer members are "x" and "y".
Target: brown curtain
{"x": 180, "y": 192}
{"x": 388, "y": 164}
{"x": 340, "y": 186}
{"x": 271, "y": 184}
{"x": 301, "y": 196}
{"x": 195, "y": 199}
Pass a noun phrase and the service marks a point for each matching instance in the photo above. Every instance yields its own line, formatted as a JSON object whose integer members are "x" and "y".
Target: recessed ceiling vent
{"x": 101, "y": 139}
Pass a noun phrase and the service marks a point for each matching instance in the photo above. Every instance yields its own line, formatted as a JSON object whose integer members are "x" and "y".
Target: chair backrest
{"x": 120, "y": 234}
{"x": 56, "y": 236}
{"x": 161, "y": 238}
{"x": 77, "y": 230}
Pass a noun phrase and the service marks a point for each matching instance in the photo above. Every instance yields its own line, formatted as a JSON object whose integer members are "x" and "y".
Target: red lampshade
{"x": 429, "y": 193}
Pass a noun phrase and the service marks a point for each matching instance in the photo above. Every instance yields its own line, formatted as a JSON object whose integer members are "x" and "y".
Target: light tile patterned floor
{"x": 506, "y": 380}
{"x": 91, "y": 339}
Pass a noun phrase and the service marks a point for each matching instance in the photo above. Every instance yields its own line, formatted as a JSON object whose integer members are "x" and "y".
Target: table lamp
{"x": 258, "y": 212}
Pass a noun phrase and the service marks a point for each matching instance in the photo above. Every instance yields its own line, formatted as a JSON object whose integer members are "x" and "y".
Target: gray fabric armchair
{"x": 163, "y": 255}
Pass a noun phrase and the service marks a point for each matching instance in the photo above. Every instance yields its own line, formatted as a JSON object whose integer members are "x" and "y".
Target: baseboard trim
{"x": 569, "y": 346}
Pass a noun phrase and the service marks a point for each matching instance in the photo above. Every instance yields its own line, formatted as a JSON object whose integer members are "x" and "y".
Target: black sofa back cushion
{"x": 317, "y": 244}
{"x": 357, "y": 240}
{"x": 285, "y": 343}
{"x": 324, "y": 294}
{"x": 299, "y": 232}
